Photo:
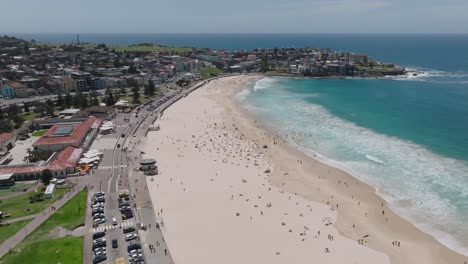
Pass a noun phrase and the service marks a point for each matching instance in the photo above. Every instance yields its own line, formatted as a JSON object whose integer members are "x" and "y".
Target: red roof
{"x": 6, "y": 136}
{"x": 22, "y": 169}
{"x": 15, "y": 85}
{"x": 66, "y": 158}
{"x": 76, "y": 135}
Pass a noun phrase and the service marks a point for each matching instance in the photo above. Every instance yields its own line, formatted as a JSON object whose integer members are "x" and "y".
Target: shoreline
{"x": 358, "y": 202}
{"x": 450, "y": 256}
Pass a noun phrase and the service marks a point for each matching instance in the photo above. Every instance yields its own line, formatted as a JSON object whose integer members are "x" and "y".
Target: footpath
{"x": 13, "y": 241}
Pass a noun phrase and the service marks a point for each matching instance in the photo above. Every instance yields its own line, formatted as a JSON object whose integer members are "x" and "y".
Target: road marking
{"x": 110, "y": 227}
{"x": 120, "y": 261}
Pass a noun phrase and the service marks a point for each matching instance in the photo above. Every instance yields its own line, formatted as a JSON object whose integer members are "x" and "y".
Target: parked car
{"x": 98, "y": 216}
{"x": 100, "y": 252}
{"x": 98, "y": 235}
{"x": 97, "y": 211}
{"x": 115, "y": 243}
{"x": 99, "y": 240}
{"x": 99, "y": 249}
{"x": 130, "y": 237}
{"x": 133, "y": 247}
{"x": 100, "y": 244}
{"x": 128, "y": 230}
{"x": 99, "y": 259}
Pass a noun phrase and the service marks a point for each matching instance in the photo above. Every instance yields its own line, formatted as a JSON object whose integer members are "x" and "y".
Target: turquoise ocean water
{"x": 407, "y": 136}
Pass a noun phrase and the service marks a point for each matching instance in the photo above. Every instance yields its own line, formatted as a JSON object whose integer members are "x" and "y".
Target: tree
{"x": 5, "y": 125}
{"x": 13, "y": 110}
{"x": 264, "y": 64}
{"x": 136, "y": 95}
{"x": 77, "y": 100}
{"x": 84, "y": 102}
{"x": 50, "y": 103}
{"x": 146, "y": 90}
{"x": 132, "y": 69}
{"x": 93, "y": 100}
{"x": 59, "y": 102}
{"x": 26, "y": 107}
{"x": 109, "y": 98}
{"x": 18, "y": 121}
{"x": 151, "y": 88}
{"x": 68, "y": 100}
{"x": 46, "y": 177}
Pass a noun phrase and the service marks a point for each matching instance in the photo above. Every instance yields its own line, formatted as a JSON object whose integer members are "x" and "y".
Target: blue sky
{"x": 234, "y": 16}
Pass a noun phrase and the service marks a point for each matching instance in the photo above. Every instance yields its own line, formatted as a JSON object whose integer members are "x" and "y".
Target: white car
{"x": 98, "y": 205}
{"x": 135, "y": 251}
{"x": 131, "y": 236}
{"x": 99, "y": 240}
{"x": 136, "y": 255}
{"x": 100, "y": 252}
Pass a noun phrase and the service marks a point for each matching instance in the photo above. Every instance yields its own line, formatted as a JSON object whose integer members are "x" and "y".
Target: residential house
{"x": 8, "y": 90}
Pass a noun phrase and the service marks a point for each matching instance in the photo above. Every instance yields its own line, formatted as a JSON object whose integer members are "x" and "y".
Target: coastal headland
{"x": 230, "y": 190}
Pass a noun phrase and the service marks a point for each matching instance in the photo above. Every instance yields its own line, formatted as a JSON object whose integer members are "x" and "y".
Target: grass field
{"x": 210, "y": 72}
{"x": 143, "y": 99}
{"x": 16, "y": 206}
{"x": 65, "y": 250}
{"x": 70, "y": 216}
{"x": 28, "y": 116}
{"x": 142, "y": 48}
{"x": 7, "y": 230}
{"x": 43, "y": 250}
{"x": 39, "y": 133}
{"x": 153, "y": 48}
{"x": 18, "y": 187}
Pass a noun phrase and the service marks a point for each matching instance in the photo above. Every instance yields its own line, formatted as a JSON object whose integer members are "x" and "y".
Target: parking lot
{"x": 114, "y": 231}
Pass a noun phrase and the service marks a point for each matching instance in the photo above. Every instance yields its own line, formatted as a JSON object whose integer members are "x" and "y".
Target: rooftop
{"x": 6, "y": 136}
{"x": 5, "y": 176}
{"x": 57, "y": 134}
{"x": 66, "y": 158}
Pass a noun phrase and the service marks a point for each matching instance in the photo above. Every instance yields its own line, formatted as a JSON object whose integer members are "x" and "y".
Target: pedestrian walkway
{"x": 110, "y": 167}
{"x": 13, "y": 241}
{"x": 110, "y": 226}
{"x": 20, "y": 219}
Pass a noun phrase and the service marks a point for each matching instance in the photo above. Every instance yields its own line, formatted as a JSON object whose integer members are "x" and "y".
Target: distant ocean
{"x": 407, "y": 136}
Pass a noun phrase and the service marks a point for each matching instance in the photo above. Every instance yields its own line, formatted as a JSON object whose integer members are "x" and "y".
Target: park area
{"x": 22, "y": 205}
{"x": 55, "y": 241}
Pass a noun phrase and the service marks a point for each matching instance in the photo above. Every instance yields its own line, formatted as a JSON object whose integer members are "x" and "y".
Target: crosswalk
{"x": 107, "y": 227}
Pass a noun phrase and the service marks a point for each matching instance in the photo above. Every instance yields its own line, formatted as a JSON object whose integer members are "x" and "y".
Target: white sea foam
{"x": 426, "y": 188}
{"x": 424, "y": 74}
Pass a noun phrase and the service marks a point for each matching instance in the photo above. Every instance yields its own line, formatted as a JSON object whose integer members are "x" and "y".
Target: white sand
{"x": 209, "y": 173}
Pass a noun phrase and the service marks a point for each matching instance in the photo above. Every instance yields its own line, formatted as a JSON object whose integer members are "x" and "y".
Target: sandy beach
{"x": 231, "y": 191}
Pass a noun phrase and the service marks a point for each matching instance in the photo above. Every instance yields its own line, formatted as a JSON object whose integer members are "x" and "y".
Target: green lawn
{"x": 65, "y": 250}
{"x": 18, "y": 187}
{"x": 43, "y": 250}
{"x": 29, "y": 116}
{"x": 143, "y": 99}
{"x": 210, "y": 72}
{"x": 143, "y": 48}
{"x": 153, "y": 48}
{"x": 71, "y": 215}
{"x": 39, "y": 133}
{"x": 7, "y": 230}
{"x": 16, "y": 206}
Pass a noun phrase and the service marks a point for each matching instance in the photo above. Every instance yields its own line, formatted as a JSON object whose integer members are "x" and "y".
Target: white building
{"x": 49, "y": 192}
